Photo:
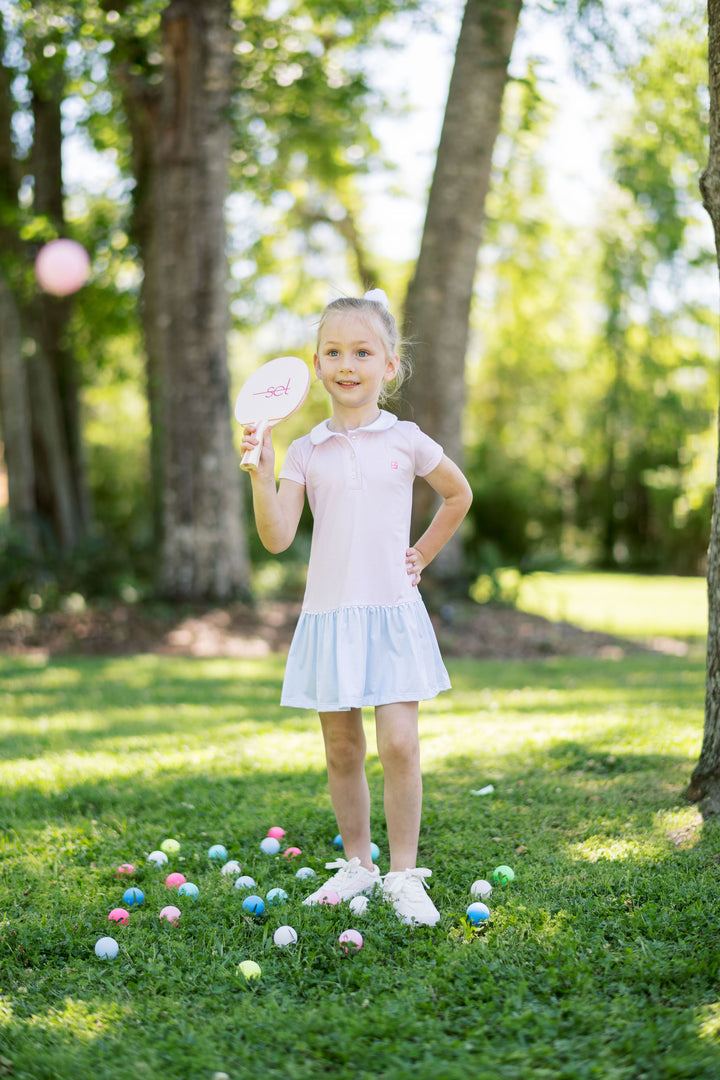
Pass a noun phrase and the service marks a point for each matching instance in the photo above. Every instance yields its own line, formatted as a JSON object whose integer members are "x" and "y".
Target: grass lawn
{"x": 601, "y": 960}
{"x": 631, "y": 605}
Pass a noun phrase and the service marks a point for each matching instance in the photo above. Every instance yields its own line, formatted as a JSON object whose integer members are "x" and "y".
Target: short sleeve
{"x": 428, "y": 453}
{"x": 294, "y": 465}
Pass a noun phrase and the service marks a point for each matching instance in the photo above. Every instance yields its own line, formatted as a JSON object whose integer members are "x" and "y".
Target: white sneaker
{"x": 351, "y": 879}
{"x": 406, "y": 891}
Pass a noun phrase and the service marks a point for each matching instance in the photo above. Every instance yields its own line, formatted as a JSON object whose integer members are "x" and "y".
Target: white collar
{"x": 321, "y": 433}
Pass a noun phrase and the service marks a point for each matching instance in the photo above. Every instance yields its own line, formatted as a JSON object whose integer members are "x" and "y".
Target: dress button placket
{"x": 355, "y": 475}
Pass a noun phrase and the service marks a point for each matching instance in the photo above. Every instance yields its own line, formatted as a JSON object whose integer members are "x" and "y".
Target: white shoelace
{"x": 346, "y": 870}
{"x": 343, "y": 864}
{"x": 411, "y": 882}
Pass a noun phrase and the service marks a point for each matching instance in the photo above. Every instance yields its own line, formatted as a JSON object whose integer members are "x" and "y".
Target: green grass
{"x": 630, "y": 605}
{"x": 600, "y": 961}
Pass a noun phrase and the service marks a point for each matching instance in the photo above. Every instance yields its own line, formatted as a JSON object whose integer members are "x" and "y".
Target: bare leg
{"x": 345, "y": 755}
{"x": 399, "y": 750}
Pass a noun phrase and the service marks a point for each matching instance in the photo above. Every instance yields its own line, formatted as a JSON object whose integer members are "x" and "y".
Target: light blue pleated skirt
{"x": 363, "y": 656}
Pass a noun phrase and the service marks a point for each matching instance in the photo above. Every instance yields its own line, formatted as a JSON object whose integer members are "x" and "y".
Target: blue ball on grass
{"x": 254, "y": 905}
{"x": 478, "y": 913}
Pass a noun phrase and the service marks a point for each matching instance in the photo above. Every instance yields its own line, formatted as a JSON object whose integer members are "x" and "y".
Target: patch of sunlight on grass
{"x": 78, "y": 1019}
{"x": 709, "y": 1021}
{"x": 603, "y": 847}
{"x": 626, "y": 604}
{"x": 233, "y": 753}
{"x": 681, "y": 826}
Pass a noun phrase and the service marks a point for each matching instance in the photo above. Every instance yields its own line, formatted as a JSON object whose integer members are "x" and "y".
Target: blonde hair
{"x": 379, "y": 310}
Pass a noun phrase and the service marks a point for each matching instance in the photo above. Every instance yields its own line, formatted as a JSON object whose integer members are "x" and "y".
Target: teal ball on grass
{"x": 276, "y": 896}
{"x": 217, "y": 851}
{"x": 189, "y": 889}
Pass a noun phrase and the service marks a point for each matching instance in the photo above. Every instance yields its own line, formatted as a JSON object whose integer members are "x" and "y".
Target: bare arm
{"x": 449, "y": 482}
{"x": 277, "y": 507}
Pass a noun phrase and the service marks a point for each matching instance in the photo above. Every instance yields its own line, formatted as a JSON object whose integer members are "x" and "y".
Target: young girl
{"x": 364, "y": 637}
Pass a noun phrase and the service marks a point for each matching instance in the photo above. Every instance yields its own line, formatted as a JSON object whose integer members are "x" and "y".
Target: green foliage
{"x": 600, "y": 960}
{"x": 102, "y": 567}
{"x": 301, "y": 134}
{"x": 591, "y": 417}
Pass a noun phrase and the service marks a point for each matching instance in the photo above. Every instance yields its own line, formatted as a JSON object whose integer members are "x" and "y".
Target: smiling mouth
{"x": 347, "y": 382}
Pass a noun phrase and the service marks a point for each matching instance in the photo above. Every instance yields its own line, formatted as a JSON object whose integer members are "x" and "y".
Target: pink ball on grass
{"x": 292, "y": 852}
{"x": 125, "y": 869}
{"x": 329, "y": 897}
{"x": 119, "y": 915}
{"x": 276, "y": 832}
{"x": 62, "y": 267}
{"x": 170, "y": 914}
{"x": 174, "y": 881}
{"x": 351, "y": 939}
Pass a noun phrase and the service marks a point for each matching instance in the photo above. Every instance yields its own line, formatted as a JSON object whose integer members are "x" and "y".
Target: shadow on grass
{"x": 600, "y": 960}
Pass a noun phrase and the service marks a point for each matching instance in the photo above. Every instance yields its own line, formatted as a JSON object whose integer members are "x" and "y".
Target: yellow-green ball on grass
{"x": 249, "y": 969}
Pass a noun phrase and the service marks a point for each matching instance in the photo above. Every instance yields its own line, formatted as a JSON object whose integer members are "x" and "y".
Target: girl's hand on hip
{"x": 414, "y": 564}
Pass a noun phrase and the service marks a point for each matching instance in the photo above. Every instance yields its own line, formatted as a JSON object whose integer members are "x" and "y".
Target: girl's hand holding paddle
{"x": 266, "y": 463}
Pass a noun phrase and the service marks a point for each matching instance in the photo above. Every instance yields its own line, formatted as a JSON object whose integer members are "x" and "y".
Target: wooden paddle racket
{"x": 271, "y": 394}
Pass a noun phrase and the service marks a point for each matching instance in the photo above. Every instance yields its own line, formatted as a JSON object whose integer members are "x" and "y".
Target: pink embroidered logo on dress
{"x": 393, "y": 464}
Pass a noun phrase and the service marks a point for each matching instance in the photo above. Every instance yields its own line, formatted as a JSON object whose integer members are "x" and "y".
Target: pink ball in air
{"x": 62, "y": 267}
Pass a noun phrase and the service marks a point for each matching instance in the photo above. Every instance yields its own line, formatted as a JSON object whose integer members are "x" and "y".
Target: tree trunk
{"x": 63, "y": 495}
{"x": 204, "y": 554}
{"x": 437, "y": 307}
{"x": 141, "y": 105}
{"x": 704, "y": 784}
{"x": 15, "y": 428}
{"x": 15, "y": 422}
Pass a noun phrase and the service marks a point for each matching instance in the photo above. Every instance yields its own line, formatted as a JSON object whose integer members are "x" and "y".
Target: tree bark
{"x": 141, "y": 105}
{"x": 204, "y": 552}
{"x": 15, "y": 422}
{"x": 437, "y": 307}
{"x": 63, "y": 494}
{"x": 704, "y": 784}
{"x": 15, "y": 428}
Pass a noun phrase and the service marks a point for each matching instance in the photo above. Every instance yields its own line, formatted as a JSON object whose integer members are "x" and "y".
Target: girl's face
{"x": 352, "y": 361}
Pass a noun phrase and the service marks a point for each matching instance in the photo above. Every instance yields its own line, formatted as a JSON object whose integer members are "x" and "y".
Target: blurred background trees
{"x": 588, "y": 385}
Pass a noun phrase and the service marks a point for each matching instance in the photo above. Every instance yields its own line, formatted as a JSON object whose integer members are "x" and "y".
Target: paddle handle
{"x": 251, "y": 458}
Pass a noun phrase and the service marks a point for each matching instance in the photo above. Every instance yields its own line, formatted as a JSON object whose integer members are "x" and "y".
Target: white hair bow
{"x": 378, "y": 296}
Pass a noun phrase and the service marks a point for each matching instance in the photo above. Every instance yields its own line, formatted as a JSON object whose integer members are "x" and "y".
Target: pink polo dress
{"x": 364, "y": 636}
